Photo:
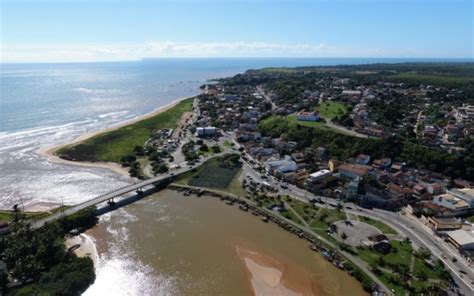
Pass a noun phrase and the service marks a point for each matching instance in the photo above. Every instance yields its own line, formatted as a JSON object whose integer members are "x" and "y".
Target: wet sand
{"x": 86, "y": 247}
{"x": 49, "y": 152}
{"x": 270, "y": 277}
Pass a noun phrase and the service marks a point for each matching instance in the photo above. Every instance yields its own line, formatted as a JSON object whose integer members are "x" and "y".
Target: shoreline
{"x": 49, "y": 152}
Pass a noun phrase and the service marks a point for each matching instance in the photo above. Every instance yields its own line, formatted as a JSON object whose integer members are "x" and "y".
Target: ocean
{"x": 47, "y": 104}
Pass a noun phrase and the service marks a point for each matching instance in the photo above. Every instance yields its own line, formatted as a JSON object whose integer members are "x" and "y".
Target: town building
{"x": 208, "y": 131}
{"x": 307, "y": 116}
{"x": 461, "y": 239}
{"x": 319, "y": 175}
{"x": 449, "y": 201}
{"x": 282, "y": 166}
{"x": 362, "y": 159}
{"x": 466, "y": 194}
{"x": 352, "y": 171}
{"x": 444, "y": 223}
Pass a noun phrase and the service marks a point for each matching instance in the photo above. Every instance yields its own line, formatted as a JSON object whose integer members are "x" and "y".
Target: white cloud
{"x": 82, "y": 53}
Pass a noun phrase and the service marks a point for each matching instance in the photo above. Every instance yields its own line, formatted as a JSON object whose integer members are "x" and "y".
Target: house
{"x": 351, "y": 170}
{"x": 464, "y": 113}
{"x": 461, "y": 239}
{"x": 334, "y": 164}
{"x": 434, "y": 188}
{"x": 351, "y": 93}
{"x": 452, "y": 132}
{"x": 230, "y": 98}
{"x": 362, "y": 159}
{"x": 397, "y": 167}
{"x": 418, "y": 189}
{"x": 382, "y": 164}
{"x": 307, "y": 116}
{"x": 298, "y": 157}
{"x": 298, "y": 177}
{"x": 444, "y": 223}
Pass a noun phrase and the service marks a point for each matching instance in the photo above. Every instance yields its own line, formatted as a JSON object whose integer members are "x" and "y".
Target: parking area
{"x": 356, "y": 232}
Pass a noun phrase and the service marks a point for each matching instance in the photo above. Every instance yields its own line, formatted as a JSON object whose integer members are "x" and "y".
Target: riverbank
{"x": 51, "y": 153}
{"x": 83, "y": 245}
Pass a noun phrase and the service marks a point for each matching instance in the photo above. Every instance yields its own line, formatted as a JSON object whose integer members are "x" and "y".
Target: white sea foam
{"x": 119, "y": 271}
{"x": 123, "y": 275}
{"x": 113, "y": 114}
{"x": 97, "y": 91}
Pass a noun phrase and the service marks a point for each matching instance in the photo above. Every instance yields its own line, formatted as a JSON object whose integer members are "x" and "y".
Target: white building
{"x": 466, "y": 194}
{"x": 461, "y": 239}
{"x": 206, "y": 131}
{"x": 307, "y": 116}
{"x": 319, "y": 175}
{"x": 464, "y": 113}
{"x": 449, "y": 201}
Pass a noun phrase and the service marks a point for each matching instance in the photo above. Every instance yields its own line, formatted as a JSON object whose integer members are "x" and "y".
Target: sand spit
{"x": 269, "y": 277}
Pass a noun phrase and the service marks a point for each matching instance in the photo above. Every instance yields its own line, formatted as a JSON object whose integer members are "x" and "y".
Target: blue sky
{"x": 86, "y": 30}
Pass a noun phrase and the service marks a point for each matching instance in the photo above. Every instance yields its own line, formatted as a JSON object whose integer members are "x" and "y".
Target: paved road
{"x": 266, "y": 97}
{"x": 345, "y": 130}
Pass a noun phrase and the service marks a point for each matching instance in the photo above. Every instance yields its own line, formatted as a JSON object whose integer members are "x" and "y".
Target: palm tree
{"x": 16, "y": 212}
{"x": 344, "y": 236}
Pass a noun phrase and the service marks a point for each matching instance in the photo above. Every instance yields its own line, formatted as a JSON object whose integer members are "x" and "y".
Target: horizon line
{"x": 466, "y": 59}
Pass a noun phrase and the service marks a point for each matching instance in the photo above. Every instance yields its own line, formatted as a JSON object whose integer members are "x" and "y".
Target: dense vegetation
{"x": 114, "y": 145}
{"x": 395, "y": 147}
{"x": 38, "y": 261}
{"x": 288, "y": 83}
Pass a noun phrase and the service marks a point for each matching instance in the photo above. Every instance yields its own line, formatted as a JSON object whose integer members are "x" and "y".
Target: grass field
{"x": 315, "y": 124}
{"x": 113, "y": 145}
{"x": 213, "y": 174}
{"x": 281, "y": 70}
{"x": 379, "y": 225}
{"x": 8, "y": 215}
{"x": 331, "y": 109}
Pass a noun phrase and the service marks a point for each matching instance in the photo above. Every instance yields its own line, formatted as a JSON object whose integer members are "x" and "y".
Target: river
{"x": 169, "y": 244}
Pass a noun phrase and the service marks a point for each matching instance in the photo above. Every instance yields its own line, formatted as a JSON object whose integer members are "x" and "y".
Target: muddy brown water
{"x": 177, "y": 245}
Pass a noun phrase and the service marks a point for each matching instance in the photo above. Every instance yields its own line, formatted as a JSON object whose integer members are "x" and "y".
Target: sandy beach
{"x": 86, "y": 247}
{"x": 269, "y": 277}
{"x": 49, "y": 152}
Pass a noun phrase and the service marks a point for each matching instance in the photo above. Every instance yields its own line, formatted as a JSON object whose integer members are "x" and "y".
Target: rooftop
{"x": 461, "y": 236}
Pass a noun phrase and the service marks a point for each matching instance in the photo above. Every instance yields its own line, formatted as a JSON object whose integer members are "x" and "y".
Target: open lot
{"x": 214, "y": 174}
{"x": 356, "y": 232}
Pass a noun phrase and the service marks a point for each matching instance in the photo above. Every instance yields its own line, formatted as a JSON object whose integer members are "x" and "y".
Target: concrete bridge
{"x": 136, "y": 187}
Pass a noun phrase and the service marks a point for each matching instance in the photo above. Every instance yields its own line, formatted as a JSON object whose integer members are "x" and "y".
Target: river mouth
{"x": 170, "y": 244}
